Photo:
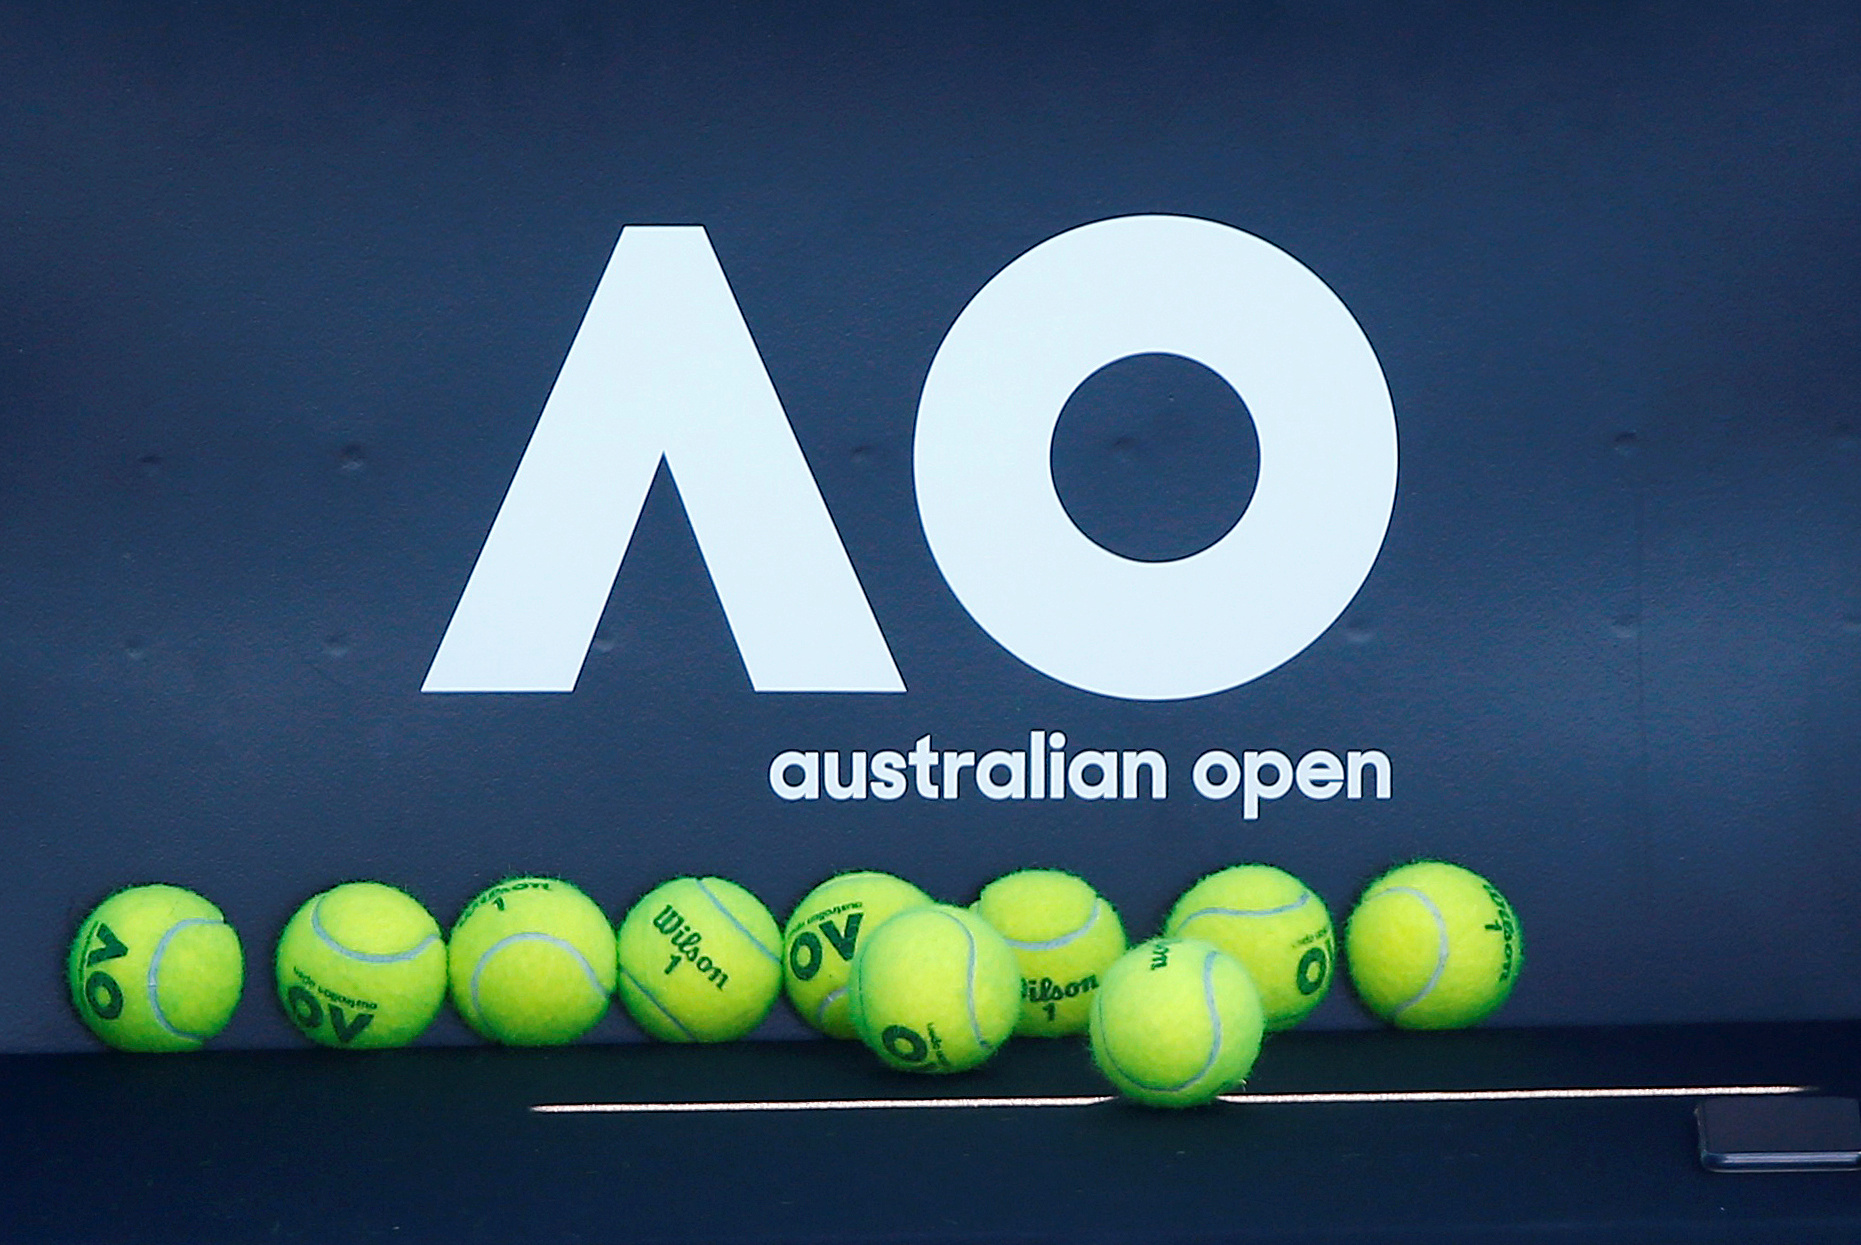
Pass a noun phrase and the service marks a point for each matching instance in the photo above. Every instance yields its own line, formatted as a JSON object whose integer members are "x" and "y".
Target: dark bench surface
{"x": 440, "y": 1144}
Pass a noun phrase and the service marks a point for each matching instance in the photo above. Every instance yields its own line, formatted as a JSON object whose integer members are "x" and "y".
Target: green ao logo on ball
{"x": 361, "y": 966}
{"x": 934, "y": 989}
{"x": 155, "y": 968}
{"x": 823, "y": 935}
{"x": 1274, "y": 925}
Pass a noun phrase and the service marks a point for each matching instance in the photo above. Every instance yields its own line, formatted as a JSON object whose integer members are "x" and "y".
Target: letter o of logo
{"x": 1257, "y": 318}
{"x": 1314, "y": 967}
{"x": 804, "y": 957}
{"x": 305, "y": 1009}
{"x": 904, "y": 1044}
{"x": 104, "y": 995}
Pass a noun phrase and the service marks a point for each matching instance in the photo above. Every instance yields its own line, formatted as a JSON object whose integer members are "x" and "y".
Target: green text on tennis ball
{"x": 361, "y": 966}
{"x": 531, "y": 963}
{"x": 155, "y": 968}
{"x": 934, "y": 989}
{"x": 1064, "y": 938}
{"x": 1274, "y": 925}
{"x": 1433, "y": 946}
{"x": 700, "y": 961}
{"x": 823, "y": 933}
{"x": 1176, "y": 1022}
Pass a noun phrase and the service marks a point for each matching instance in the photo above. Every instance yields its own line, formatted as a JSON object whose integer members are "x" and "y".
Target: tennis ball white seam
{"x": 969, "y": 992}
{"x": 1111, "y": 1056}
{"x": 1294, "y": 906}
{"x": 155, "y": 968}
{"x": 856, "y": 1002}
{"x": 828, "y": 1000}
{"x": 594, "y": 978}
{"x": 732, "y": 918}
{"x": 650, "y": 997}
{"x": 1054, "y": 944}
{"x": 1214, "y": 1024}
{"x": 329, "y": 940}
{"x": 1214, "y": 1045}
{"x": 1440, "y": 967}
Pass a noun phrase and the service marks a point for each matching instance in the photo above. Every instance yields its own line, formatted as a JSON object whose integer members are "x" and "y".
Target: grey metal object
{"x": 1779, "y": 1134}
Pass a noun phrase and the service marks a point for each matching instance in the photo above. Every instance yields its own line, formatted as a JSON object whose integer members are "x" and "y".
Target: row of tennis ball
{"x": 927, "y": 986}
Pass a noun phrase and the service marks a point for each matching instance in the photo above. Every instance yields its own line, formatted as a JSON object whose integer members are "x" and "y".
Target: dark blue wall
{"x": 281, "y": 296}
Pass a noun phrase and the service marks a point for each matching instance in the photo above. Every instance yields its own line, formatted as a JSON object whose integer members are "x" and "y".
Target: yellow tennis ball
{"x": 1176, "y": 1022}
{"x": 531, "y": 962}
{"x": 822, "y": 934}
{"x": 1433, "y": 946}
{"x": 361, "y": 966}
{"x": 1064, "y": 937}
{"x": 934, "y": 989}
{"x": 1274, "y": 925}
{"x": 700, "y": 961}
{"x": 155, "y": 968}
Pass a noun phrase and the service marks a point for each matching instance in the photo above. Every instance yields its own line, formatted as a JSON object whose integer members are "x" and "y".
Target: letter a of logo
{"x": 663, "y": 367}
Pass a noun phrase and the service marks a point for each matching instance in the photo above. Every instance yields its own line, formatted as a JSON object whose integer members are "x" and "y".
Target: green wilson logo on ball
{"x": 699, "y": 961}
{"x": 1063, "y": 936}
{"x": 1433, "y": 945}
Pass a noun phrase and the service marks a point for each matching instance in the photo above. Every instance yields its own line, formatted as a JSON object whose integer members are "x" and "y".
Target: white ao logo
{"x": 663, "y": 368}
